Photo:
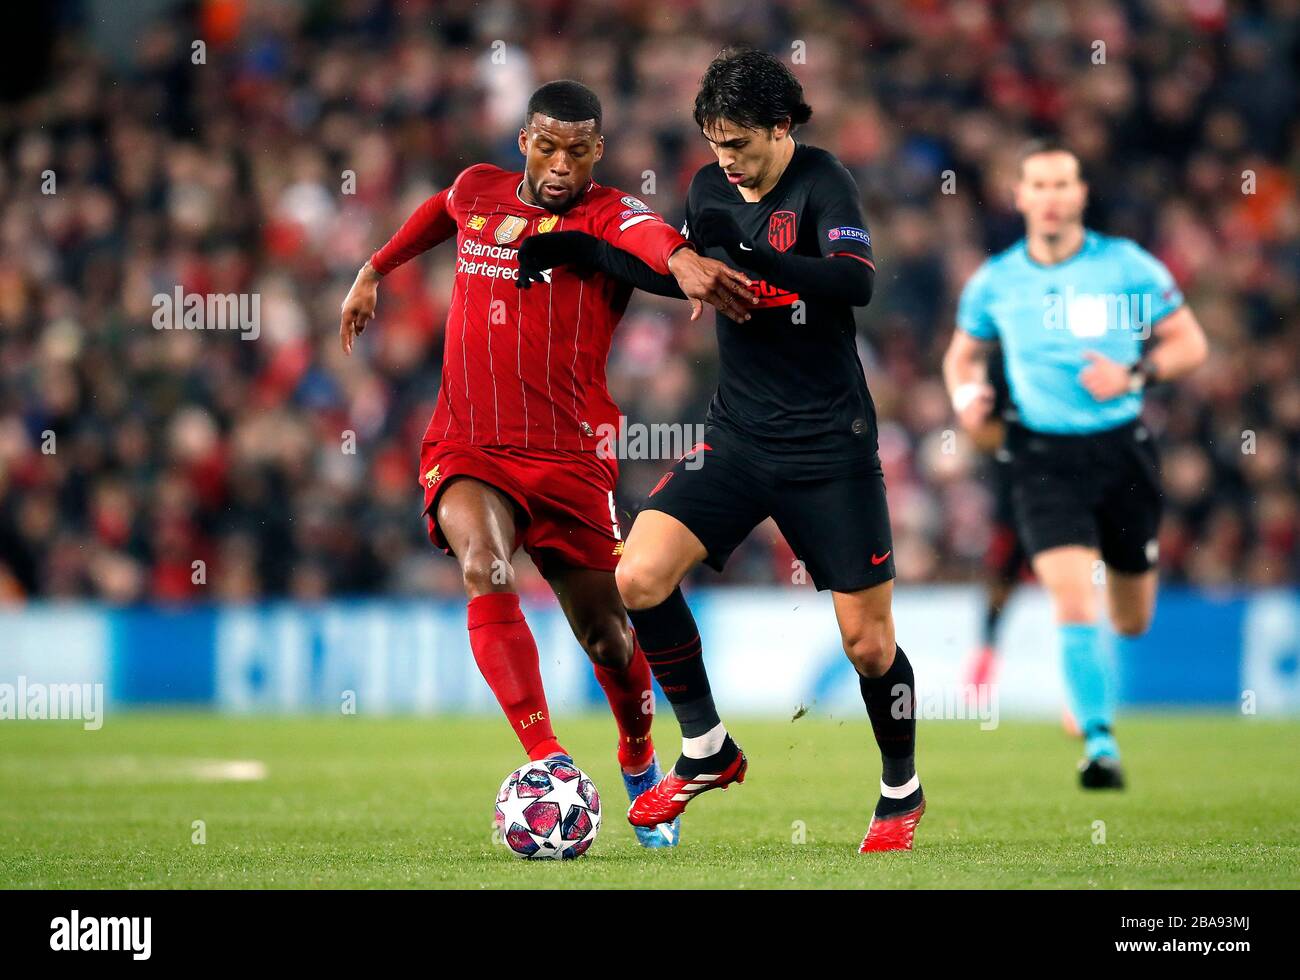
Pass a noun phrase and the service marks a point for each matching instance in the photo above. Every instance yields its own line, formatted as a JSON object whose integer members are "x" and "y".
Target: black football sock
{"x": 671, "y": 641}
{"x": 689, "y": 768}
{"x": 891, "y": 706}
{"x": 992, "y": 615}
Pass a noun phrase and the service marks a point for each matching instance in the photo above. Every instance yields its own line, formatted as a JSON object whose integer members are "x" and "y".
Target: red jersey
{"x": 526, "y": 367}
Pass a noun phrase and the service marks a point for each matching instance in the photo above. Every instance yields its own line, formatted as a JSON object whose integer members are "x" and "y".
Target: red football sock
{"x": 627, "y": 691}
{"x": 506, "y": 654}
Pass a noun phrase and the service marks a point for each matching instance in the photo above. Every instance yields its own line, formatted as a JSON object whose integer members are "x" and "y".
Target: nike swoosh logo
{"x": 745, "y": 248}
{"x": 877, "y": 561}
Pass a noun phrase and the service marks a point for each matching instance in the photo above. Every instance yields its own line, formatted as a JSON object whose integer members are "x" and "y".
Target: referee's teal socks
{"x": 1089, "y": 683}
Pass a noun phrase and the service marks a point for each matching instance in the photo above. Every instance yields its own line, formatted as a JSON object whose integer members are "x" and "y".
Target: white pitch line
{"x": 227, "y": 770}
{"x": 136, "y": 770}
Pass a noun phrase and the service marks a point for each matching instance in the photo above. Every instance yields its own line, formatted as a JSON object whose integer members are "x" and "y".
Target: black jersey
{"x": 790, "y": 380}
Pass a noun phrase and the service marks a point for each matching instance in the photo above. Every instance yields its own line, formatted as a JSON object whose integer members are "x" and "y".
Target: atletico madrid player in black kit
{"x": 791, "y": 432}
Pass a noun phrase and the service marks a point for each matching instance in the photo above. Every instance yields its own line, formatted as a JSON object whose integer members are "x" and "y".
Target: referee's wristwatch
{"x": 1141, "y": 374}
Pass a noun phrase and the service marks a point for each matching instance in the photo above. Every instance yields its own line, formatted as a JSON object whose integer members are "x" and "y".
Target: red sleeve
{"x": 634, "y": 228}
{"x": 433, "y": 222}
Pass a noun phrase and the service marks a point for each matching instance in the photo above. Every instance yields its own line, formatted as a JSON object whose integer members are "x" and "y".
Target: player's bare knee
{"x": 639, "y": 587}
{"x": 871, "y": 651}
{"x": 1074, "y": 606}
{"x": 609, "y": 645}
{"x": 483, "y": 571}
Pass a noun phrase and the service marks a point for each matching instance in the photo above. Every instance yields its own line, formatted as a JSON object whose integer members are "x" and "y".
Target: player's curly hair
{"x": 751, "y": 89}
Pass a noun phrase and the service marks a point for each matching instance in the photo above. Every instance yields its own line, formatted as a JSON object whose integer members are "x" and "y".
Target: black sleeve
{"x": 628, "y": 268}
{"x": 838, "y": 277}
{"x": 846, "y": 271}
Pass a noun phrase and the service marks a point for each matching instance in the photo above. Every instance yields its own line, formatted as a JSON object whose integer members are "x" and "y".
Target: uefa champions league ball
{"x": 548, "y": 809}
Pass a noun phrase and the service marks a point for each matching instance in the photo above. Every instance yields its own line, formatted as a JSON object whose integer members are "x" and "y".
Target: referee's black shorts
{"x": 1101, "y": 490}
{"x": 837, "y": 525}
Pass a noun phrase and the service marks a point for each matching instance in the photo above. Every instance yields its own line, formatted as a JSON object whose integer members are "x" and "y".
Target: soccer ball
{"x": 548, "y": 809}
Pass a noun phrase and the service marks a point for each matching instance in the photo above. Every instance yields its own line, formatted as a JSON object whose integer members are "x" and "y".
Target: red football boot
{"x": 892, "y": 833}
{"x": 665, "y": 801}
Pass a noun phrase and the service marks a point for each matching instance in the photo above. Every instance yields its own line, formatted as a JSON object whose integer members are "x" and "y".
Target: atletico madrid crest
{"x": 781, "y": 230}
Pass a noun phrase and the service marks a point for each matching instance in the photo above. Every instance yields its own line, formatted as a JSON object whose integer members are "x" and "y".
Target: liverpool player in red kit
{"x": 509, "y": 458}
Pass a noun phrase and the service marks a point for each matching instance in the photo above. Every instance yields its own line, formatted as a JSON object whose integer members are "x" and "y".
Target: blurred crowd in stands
{"x": 145, "y": 464}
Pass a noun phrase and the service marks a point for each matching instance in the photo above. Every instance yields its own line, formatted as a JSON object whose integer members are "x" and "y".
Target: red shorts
{"x": 565, "y": 498}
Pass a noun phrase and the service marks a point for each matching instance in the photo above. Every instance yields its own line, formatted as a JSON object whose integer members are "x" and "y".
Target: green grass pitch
{"x": 378, "y": 803}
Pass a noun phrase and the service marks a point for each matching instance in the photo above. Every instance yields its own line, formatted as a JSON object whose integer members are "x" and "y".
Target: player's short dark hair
{"x": 566, "y": 100}
{"x": 751, "y": 89}
{"x": 1044, "y": 144}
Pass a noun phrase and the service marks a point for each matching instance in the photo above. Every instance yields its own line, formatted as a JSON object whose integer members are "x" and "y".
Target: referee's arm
{"x": 965, "y": 372}
{"x": 1179, "y": 348}
{"x": 965, "y": 365}
{"x": 1177, "y": 345}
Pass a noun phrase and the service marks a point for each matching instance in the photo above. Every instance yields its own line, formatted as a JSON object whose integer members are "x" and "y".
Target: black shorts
{"x": 836, "y": 524}
{"x": 1100, "y": 490}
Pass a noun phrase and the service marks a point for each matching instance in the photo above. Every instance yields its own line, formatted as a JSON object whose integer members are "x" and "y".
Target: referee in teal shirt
{"x": 1085, "y": 321}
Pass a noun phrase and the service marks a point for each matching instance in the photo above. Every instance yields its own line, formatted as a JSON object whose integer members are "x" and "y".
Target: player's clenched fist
{"x": 359, "y": 307}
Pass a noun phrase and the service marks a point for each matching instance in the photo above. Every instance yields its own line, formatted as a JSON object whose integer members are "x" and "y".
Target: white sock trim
{"x": 900, "y": 792}
{"x": 703, "y": 746}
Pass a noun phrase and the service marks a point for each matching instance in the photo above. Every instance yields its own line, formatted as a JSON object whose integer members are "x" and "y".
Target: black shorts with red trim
{"x": 837, "y": 524}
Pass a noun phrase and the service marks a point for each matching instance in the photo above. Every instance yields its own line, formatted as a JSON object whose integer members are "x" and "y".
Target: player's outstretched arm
{"x": 540, "y": 253}
{"x": 359, "y": 307}
{"x": 704, "y": 280}
{"x": 699, "y": 279}
{"x": 847, "y": 278}
{"x": 429, "y": 224}
{"x": 432, "y": 222}
{"x": 628, "y": 268}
